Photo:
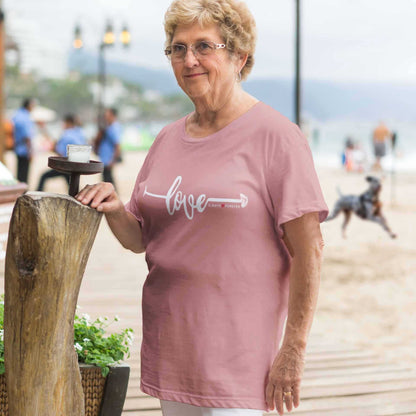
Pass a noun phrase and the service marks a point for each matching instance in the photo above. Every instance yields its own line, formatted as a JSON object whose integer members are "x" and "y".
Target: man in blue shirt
{"x": 107, "y": 144}
{"x": 24, "y": 130}
{"x": 72, "y": 134}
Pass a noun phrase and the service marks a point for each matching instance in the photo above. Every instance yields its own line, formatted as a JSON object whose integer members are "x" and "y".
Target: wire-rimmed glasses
{"x": 202, "y": 49}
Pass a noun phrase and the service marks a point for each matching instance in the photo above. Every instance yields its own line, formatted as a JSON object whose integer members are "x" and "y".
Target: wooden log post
{"x": 50, "y": 239}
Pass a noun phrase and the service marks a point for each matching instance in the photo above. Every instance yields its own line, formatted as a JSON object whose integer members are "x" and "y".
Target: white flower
{"x": 130, "y": 338}
{"x": 86, "y": 340}
{"x": 86, "y": 317}
{"x": 78, "y": 347}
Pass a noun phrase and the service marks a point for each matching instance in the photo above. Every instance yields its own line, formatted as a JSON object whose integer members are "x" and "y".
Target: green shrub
{"x": 93, "y": 347}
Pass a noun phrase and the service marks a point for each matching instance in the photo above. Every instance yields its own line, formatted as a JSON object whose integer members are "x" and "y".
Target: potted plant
{"x": 104, "y": 379}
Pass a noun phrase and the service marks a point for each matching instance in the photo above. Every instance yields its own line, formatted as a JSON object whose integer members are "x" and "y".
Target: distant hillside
{"x": 329, "y": 100}
{"x": 321, "y": 100}
{"x": 151, "y": 79}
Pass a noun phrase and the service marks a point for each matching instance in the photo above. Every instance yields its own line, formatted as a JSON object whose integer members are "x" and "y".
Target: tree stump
{"x": 50, "y": 239}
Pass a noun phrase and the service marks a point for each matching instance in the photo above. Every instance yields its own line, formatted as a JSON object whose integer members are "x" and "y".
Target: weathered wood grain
{"x": 50, "y": 239}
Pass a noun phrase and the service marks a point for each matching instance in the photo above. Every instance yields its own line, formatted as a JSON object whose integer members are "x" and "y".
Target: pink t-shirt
{"x": 215, "y": 299}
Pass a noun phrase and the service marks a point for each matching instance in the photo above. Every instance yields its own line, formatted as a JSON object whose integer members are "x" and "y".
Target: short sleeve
{"x": 132, "y": 206}
{"x": 114, "y": 133}
{"x": 62, "y": 143}
{"x": 28, "y": 129}
{"x": 292, "y": 181}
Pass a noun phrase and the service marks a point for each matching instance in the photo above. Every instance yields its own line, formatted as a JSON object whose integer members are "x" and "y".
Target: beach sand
{"x": 368, "y": 289}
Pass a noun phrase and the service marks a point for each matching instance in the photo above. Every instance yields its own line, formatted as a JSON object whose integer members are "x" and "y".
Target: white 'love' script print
{"x": 175, "y": 200}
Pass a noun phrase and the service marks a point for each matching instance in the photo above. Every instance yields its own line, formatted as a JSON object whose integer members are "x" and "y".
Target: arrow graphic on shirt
{"x": 175, "y": 199}
{"x": 153, "y": 195}
{"x": 243, "y": 201}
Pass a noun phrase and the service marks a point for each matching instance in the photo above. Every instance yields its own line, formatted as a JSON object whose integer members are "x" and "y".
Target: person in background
{"x": 72, "y": 134}
{"x": 359, "y": 157}
{"x": 227, "y": 206}
{"x": 347, "y": 154}
{"x": 107, "y": 144}
{"x": 393, "y": 141}
{"x": 381, "y": 135}
{"x": 24, "y": 130}
{"x": 9, "y": 134}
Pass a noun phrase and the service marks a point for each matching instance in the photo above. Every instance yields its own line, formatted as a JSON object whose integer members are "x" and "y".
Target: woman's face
{"x": 211, "y": 77}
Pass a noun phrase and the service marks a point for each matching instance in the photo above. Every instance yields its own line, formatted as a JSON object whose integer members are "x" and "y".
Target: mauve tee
{"x": 215, "y": 299}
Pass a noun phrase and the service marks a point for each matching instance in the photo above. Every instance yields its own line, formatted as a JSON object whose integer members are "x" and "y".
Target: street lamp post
{"x": 107, "y": 41}
{"x": 101, "y": 81}
{"x": 298, "y": 92}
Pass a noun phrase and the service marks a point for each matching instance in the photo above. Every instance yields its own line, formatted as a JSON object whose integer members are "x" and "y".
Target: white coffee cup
{"x": 78, "y": 153}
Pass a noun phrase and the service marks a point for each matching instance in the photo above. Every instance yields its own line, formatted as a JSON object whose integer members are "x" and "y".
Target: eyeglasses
{"x": 202, "y": 49}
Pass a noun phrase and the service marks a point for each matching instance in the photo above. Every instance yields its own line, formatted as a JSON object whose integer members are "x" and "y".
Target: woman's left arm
{"x": 303, "y": 239}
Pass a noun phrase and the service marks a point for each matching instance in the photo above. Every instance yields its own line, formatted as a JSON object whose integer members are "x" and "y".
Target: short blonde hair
{"x": 235, "y": 21}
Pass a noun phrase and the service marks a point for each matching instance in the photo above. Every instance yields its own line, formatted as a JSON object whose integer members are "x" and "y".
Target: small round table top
{"x": 62, "y": 164}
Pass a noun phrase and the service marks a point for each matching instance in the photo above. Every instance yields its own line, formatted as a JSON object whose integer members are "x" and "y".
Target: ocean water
{"x": 327, "y": 141}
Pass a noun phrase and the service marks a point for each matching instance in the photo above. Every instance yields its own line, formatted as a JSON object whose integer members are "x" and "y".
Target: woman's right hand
{"x": 101, "y": 196}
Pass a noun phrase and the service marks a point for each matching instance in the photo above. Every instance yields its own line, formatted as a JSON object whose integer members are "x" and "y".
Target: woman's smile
{"x": 196, "y": 75}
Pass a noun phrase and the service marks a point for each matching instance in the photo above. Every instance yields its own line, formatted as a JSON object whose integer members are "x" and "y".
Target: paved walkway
{"x": 339, "y": 380}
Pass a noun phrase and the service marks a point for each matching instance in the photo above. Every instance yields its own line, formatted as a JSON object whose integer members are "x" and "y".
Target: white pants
{"x": 170, "y": 408}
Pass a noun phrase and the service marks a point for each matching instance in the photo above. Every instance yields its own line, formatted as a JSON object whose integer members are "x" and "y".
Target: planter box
{"x": 104, "y": 396}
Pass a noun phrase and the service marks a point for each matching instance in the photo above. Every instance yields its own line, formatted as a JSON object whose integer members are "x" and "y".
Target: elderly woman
{"x": 227, "y": 207}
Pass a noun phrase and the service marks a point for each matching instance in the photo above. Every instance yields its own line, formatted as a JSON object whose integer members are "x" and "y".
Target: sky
{"x": 342, "y": 40}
